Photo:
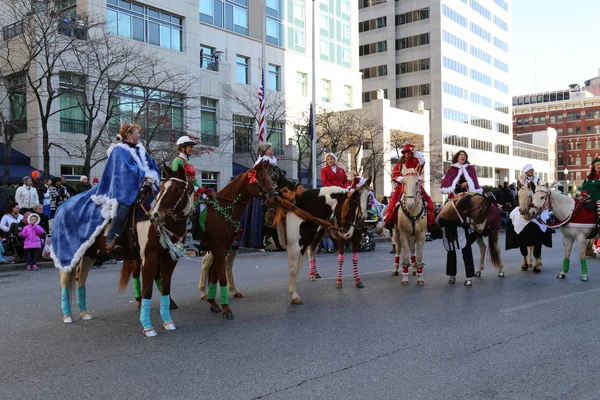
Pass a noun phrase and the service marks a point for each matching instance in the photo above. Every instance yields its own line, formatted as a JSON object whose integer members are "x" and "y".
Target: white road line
{"x": 546, "y": 301}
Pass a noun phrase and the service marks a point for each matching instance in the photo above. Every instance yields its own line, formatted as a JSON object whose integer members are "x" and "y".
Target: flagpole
{"x": 313, "y": 116}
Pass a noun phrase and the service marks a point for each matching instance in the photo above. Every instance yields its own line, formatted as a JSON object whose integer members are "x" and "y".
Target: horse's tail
{"x": 494, "y": 249}
{"x": 126, "y": 271}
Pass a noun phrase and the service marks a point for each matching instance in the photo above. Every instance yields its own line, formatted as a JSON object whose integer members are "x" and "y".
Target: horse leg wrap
{"x": 212, "y": 291}
{"x": 584, "y": 270}
{"x": 65, "y": 301}
{"x": 413, "y": 259}
{"x": 224, "y": 295}
{"x": 405, "y": 268}
{"x": 313, "y": 267}
{"x": 565, "y": 267}
{"x": 397, "y": 260}
{"x": 340, "y": 265}
{"x": 355, "y": 267}
{"x": 158, "y": 284}
{"x": 137, "y": 287}
{"x": 420, "y": 269}
{"x": 145, "y": 313}
{"x": 165, "y": 314}
{"x": 81, "y": 303}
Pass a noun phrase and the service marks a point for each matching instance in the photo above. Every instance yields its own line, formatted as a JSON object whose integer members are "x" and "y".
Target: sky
{"x": 555, "y": 43}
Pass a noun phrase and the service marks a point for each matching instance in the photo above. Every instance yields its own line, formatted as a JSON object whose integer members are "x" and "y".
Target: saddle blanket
{"x": 519, "y": 223}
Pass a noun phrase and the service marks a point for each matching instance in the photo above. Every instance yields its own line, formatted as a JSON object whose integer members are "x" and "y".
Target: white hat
{"x": 527, "y": 167}
{"x": 82, "y": 178}
{"x": 184, "y": 141}
{"x": 33, "y": 215}
{"x": 332, "y": 155}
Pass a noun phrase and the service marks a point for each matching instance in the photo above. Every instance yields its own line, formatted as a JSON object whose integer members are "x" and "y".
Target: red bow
{"x": 252, "y": 177}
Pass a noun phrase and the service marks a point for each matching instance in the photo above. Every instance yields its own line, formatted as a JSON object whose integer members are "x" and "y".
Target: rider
{"x": 591, "y": 185}
{"x": 411, "y": 159}
{"x": 185, "y": 146}
{"x": 332, "y": 174}
{"x": 128, "y": 167}
{"x": 529, "y": 178}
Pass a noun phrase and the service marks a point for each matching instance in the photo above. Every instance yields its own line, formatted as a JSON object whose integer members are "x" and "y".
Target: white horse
{"x": 411, "y": 227}
{"x": 575, "y": 222}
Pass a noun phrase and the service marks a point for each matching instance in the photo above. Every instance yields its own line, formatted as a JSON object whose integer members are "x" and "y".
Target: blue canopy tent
{"x": 19, "y": 165}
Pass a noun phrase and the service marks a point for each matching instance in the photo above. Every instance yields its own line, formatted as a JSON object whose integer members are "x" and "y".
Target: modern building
{"x": 220, "y": 43}
{"x": 455, "y": 57}
{"x": 575, "y": 115}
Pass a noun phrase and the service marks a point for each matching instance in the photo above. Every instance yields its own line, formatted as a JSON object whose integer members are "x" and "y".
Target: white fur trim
{"x": 272, "y": 160}
{"x": 33, "y": 215}
{"x": 420, "y": 157}
{"x": 462, "y": 170}
{"x": 140, "y": 161}
{"x": 109, "y": 211}
{"x": 399, "y": 179}
{"x": 525, "y": 180}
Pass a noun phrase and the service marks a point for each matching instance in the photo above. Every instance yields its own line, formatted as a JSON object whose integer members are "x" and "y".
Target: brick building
{"x": 575, "y": 114}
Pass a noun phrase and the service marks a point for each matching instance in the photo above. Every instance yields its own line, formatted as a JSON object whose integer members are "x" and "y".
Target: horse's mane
{"x": 230, "y": 191}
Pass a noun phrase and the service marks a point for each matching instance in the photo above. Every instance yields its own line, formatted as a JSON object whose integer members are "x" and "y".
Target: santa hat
{"x": 408, "y": 147}
{"x": 527, "y": 167}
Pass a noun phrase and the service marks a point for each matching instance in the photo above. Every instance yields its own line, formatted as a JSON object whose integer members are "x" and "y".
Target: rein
{"x": 413, "y": 218}
{"x": 548, "y": 204}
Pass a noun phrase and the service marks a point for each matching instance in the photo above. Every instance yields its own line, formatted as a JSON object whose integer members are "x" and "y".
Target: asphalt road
{"x": 524, "y": 336}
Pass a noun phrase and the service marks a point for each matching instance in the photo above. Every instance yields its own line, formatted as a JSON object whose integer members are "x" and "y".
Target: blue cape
{"x": 83, "y": 217}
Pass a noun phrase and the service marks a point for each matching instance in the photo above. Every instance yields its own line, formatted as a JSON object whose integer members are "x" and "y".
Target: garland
{"x": 225, "y": 212}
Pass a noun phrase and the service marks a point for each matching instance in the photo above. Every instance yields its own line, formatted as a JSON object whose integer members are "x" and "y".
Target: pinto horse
{"x": 355, "y": 240}
{"x": 176, "y": 195}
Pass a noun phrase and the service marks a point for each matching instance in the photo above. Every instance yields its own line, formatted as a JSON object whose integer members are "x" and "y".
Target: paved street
{"x": 520, "y": 337}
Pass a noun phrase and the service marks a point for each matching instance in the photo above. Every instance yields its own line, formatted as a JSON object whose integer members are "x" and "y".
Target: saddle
{"x": 128, "y": 236}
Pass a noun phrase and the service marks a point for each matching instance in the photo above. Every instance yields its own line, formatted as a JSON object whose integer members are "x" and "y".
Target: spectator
{"x": 11, "y": 217}
{"x": 4, "y": 200}
{"x": 12, "y": 190}
{"x": 66, "y": 188}
{"x": 46, "y": 204}
{"x": 507, "y": 193}
{"x": 44, "y": 220}
{"x": 95, "y": 181}
{"x": 327, "y": 245}
{"x": 38, "y": 184}
{"x": 27, "y": 195}
{"x": 32, "y": 233}
{"x": 58, "y": 195}
{"x": 83, "y": 185}
{"x": 384, "y": 201}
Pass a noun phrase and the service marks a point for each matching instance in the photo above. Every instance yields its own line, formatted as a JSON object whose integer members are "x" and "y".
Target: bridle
{"x": 171, "y": 212}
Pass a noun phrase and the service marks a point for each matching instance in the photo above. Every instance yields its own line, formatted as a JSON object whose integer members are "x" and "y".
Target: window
{"x": 413, "y": 91}
{"x": 560, "y": 161}
{"x": 274, "y": 32}
{"x": 276, "y": 136}
{"x": 577, "y": 159}
{"x": 372, "y": 48}
{"x": 12, "y": 30}
{"x": 72, "y": 102}
{"x": 456, "y": 115}
{"x": 570, "y": 131}
{"x": 16, "y": 86}
{"x": 503, "y": 46}
{"x": 481, "y": 123}
{"x": 573, "y": 116}
{"x": 412, "y": 66}
{"x": 412, "y": 16}
{"x": 455, "y": 140}
{"x": 502, "y": 149}
{"x": 539, "y": 120}
{"x": 347, "y": 96}
{"x": 482, "y": 33}
{"x": 560, "y": 146}
{"x": 456, "y": 91}
{"x": 412, "y": 41}
{"x": 228, "y": 14}
{"x": 455, "y": 66}
{"x": 578, "y": 145}
{"x": 145, "y": 24}
{"x": 481, "y": 100}
{"x": 208, "y": 122}
{"x": 71, "y": 170}
{"x": 372, "y": 95}
{"x": 241, "y": 69}
{"x": 556, "y": 118}
{"x": 480, "y": 9}
{"x": 503, "y": 87}
{"x": 302, "y": 83}
{"x": 369, "y": 3}
{"x": 479, "y": 77}
{"x": 242, "y": 133}
{"x": 372, "y": 24}
{"x": 480, "y": 54}
{"x": 481, "y": 145}
{"x": 209, "y": 180}
{"x": 374, "y": 72}
{"x": 502, "y": 128}
{"x": 504, "y": 68}
{"x": 273, "y": 82}
{"x": 326, "y": 90}
{"x": 501, "y": 24}
{"x": 503, "y": 4}
{"x": 588, "y": 144}
{"x": 454, "y": 16}
{"x": 594, "y": 114}
{"x": 503, "y": 108}
{"x": 454, "y": 41}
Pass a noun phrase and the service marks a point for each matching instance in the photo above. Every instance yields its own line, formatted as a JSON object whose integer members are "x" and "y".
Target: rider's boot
{"x": 116, "y": 227}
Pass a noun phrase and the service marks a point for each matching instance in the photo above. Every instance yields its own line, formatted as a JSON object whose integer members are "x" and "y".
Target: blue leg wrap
{"x": 81, "y": 302}
{"x": 165, "y": 314}
{"x": 145, "y": 314}
{"x": 65, "y": 303}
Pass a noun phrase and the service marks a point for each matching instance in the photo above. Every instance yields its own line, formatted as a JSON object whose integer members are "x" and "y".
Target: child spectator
{"x": 32, "y": 234}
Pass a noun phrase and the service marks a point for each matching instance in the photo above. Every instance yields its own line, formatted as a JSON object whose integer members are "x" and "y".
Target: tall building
{"x": 575, "y": 114}
{"x": 454, "y": 56}
{"x": 220, "y": 43}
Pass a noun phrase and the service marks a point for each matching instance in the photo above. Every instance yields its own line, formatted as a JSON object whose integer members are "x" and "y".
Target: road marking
{"x": 546, "y": 301}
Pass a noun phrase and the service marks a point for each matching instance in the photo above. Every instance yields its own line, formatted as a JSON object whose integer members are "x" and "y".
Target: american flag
{"x": 261, "y": 118}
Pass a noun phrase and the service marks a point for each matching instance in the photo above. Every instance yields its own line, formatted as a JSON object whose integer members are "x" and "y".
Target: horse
{"x": 575, "y": 222}
{"x": 207, "y": 262}
{"x": 176, "y": 195}
{"x": 355, "y": 240}
{"x": 410, "y": 229}
{"x": 475, "y": 209}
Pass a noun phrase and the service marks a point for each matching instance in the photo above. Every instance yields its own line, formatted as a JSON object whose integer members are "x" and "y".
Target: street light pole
{"x": 566, "y": 172}
{"x": 313, "y": 115}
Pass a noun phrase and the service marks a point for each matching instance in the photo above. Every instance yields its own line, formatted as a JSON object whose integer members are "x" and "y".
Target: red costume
{"x": 329, "y": 177}
{"x": 410, "y": 159}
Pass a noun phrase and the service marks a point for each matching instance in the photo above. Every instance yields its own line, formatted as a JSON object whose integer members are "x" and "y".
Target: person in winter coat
{"x": 12, "y": 216}
{"x": 57, "y": 196}
{"x": 32, "y": 234}
{"x": 83, "y": 185}
{"x": 27, "y": 196}
{"x": 12, "y": 190}
{"x": 4, "y": 200}
{"x": 38, "y": 183}
{"x": 332, "y": 174}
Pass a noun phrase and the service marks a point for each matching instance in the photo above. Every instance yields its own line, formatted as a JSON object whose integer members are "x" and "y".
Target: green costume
{"x": 592, "y": 187}
{"x": 182, "y": 161}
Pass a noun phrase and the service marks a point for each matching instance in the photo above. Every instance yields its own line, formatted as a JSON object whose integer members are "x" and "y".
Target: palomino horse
{"x": 298, "y": 233}
{"x": 575, "y": 222}
{"x": 355, "y": 240}
{"x": 525, "y": 197}
{"x": 411, "y": 227}
{"x": 176, "y": 196}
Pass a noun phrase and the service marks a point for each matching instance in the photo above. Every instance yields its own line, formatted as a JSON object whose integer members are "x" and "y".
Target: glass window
{"x": 208, "y": 122}
{"x": 326, "y": 90}
{"x": 273, "y": 79}
{"x": 299, "y": 38}
{"x": 241, "y": 69}
{"x": 298, "y": 11}
{"x": 302, "y": 83}
{"x": 273, "y": 29}
{"x": 347, "y": 96}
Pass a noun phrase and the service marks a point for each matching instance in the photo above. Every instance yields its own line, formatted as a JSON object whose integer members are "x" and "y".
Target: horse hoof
{"x": 452, "y": 279}
{"x": 203, "y": 297}
{"x": 537, "y": 270}
{"x": 317, "y": 275}
{"x": 478, "y": 274}
{"x": 338, "y": 285}
{"x": 404, "y": 283}
{"x": 67, "y": 319}
{"x": 238, "y": 295}
{"x": 561, "y": 275}
{"x": 468, "y": 282}
{"x": 500, "y": 274}
{"x": 228, "y": 315}
{"x": 215, "y": 308}
{"x": 297, "y": 301}
{"x": 584, "y": 278}
{"x": 395, "y": 273}
{"x": 172, "y": 305}
{"x": 85, "y": 316}
{"x": 169, "y": 326}
{"x": 524, "y": 267}
{"x": 420, "y": 283}
{"x": 150, "y": 332}
{"x": 360, "y": 285}
{"x": 312, "y": 278}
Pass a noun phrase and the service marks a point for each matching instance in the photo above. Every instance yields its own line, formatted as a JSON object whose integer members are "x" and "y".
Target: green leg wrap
{"x": 137, "y": 288}
{"x": 565, "y": 268}
{"x": 212, "y": 291}
{"x": 158, "y": 285}
{"x": 584, "y": 270}
{"x": 224, "y": 295}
